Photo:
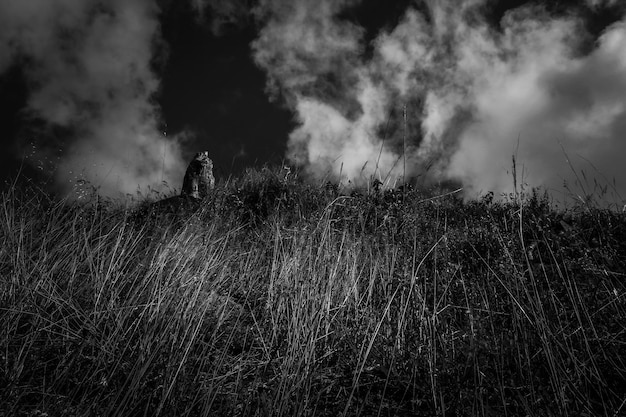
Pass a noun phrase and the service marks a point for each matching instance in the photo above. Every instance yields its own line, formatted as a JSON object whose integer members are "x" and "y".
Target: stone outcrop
{"x": 197, "y": 184}
{"x": 199, "y": 180}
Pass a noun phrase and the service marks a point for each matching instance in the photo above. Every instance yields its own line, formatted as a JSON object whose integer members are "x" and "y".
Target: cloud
{"x": 314, "y": 62}
{"x": 536, "y": 98}
{"x": 329, "y": 143}
{"x": 304, "y": 47}
{"x": 474, "y": 94}
{"x": 87, "y": 63}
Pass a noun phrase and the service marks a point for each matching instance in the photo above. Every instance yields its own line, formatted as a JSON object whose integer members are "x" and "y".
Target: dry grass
{"x": 282, "y": 299}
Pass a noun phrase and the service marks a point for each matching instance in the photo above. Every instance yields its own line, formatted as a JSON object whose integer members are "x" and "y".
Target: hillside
{"x": 283, "y": 298}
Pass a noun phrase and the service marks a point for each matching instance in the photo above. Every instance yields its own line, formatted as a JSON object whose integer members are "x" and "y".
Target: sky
{"x": 118, "y": 95}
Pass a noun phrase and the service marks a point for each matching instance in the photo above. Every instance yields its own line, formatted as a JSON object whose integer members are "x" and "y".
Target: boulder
{"x": 199, "y": 180}
{"x": 197, "y": 184}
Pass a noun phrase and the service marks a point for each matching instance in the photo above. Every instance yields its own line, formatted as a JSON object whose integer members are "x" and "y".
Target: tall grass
{"x": 285, "y": 299}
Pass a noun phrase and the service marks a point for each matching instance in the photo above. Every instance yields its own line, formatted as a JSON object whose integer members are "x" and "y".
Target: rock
{"x": 199, "y": 180}
{"x": 197, "y": 185}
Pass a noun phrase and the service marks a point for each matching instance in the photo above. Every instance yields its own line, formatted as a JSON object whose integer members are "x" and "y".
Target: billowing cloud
{"x": 305, "y": 48}
{"x": 533, "y": 96}
{"x": 530, "y": 87}
{"x": 313, "y": 60}
{"x": 87, "y": 63}
{"x": 444, "y": 92}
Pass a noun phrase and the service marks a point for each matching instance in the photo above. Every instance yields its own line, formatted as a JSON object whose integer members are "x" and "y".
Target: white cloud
{"x": 541, "y": 101}
{"x": 486, "y": 93}
{"x": 88, "y": 67}
{"x": 329, "y": 144}
{"x": 302, "y": 42}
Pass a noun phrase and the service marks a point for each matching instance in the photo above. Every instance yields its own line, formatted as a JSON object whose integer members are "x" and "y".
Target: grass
{"x": 280, "y": 298}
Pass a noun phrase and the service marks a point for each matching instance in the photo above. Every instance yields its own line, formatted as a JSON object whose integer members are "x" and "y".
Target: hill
{"x": 283, "y": 298}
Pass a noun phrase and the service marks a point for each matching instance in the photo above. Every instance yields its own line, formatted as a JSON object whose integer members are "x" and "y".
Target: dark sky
{"x": 120, "y": 94}
{"x": 212, "y": 87}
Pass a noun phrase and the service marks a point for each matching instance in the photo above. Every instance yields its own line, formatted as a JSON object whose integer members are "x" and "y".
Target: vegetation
{"x": 280, "y": 298}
